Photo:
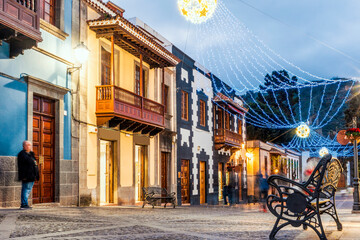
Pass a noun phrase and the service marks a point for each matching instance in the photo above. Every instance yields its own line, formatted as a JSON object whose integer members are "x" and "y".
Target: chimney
{"x": 118, "y": 10}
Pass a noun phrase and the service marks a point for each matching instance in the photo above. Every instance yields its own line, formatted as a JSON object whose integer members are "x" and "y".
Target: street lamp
{"x": 354, "y": 136}
{"x": 81, "y": 54}
{"x": 356, "y": 206}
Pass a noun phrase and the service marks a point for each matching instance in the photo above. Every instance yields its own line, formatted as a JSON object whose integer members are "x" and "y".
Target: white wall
{"x": 202, "y": 139}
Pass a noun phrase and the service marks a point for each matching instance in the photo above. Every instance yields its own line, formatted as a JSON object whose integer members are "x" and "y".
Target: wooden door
{"x": 185, "y": 181}
{"x": 109, "y": 173}
{"x": 43, "y": 146}
{"x": 202, "y": 182}
{"x": 220, "y": 178}
{"x": 140, "y": 172}
{"x": 164, "y": 171}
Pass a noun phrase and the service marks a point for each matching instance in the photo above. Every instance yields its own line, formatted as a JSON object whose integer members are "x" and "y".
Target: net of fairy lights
{"x": 229, "y": 51}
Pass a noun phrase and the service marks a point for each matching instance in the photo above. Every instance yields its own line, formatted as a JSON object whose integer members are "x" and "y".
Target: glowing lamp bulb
{"x": 249, "y": 155}
{"x": 197, "y": 11}
{"x": 303, "y": 130}
{"x": 81, "y": 53}
{"x": 323, "y": 151}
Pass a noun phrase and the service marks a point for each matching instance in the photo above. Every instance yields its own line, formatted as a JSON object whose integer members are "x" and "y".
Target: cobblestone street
{"x": 114, "y": 222}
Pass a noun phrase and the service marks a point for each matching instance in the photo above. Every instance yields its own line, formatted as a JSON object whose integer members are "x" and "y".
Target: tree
{"x": 277, "y": 99}
{"x": 353, "y": 107}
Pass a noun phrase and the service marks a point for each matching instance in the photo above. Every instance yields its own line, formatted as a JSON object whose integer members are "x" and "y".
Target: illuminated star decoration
{"x": 323, "y": 151}
{"x": 197, "y": 11}
{"x": 303, "y": 130}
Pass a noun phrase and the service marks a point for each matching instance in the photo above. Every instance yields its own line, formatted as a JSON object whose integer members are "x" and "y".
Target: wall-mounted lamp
{"x": 81, "y": 54}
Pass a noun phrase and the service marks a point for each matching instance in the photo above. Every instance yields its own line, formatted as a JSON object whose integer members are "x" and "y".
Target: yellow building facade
{"x": 267, "y": 159}
{"x": 127, "y": 101}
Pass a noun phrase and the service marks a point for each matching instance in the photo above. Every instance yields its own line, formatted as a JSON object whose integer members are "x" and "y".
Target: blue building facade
{"x": 35, "y": 105}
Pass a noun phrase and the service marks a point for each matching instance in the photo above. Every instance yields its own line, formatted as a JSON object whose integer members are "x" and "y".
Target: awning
{"x": 134, "y": 40}
{"x": 235, "y": 110}
{"x": 274, "y": 151}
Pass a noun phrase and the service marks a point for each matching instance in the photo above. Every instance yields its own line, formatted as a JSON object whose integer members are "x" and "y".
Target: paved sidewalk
{"x": 203, "y": 222}
{"x": 350, "y": 223}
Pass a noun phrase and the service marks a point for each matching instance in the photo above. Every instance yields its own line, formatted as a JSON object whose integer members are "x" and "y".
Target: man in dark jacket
{"x": 28, "y": 172}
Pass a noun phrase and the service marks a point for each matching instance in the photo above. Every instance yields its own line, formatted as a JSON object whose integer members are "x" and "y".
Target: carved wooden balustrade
{"x": 113, "y": 101}
{"x": 226, "y": 138}
{"x": 20, "y": 24}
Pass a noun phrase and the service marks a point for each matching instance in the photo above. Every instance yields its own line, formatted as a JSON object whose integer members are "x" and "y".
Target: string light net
{"x": 197, "y": 11}
{"x": 315, "y": 141}
{"x": 277, "y": 93}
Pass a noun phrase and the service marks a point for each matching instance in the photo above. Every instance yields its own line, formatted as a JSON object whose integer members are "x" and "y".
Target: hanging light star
{"x": 303, "y": 130}
{"x": 197, "y": 11}
{"x": 323, "y": 151}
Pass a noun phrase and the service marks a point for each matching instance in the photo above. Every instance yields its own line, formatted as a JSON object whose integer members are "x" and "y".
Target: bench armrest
{"x": 271, "y": 180}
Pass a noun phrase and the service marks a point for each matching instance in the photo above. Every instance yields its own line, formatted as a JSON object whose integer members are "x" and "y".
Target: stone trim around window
{"x": 53, "y": 29}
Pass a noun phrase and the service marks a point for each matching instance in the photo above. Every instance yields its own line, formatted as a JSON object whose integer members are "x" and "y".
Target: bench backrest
{"x": 325, "y": 177}
{"x": 155, "y": 191}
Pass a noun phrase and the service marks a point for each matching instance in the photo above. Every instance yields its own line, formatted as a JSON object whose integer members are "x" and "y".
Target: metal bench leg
{"x": 333, "y": 213}
{"x": 317, "y": 224}
{"x": 274, "y": 230}
{"x": 322, "y": 236}
{"x": 277, "y": 228}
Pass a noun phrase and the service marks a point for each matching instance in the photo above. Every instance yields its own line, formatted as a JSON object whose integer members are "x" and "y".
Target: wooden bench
{"x": 154, "y": 194}
{"x": 301, "y": 204}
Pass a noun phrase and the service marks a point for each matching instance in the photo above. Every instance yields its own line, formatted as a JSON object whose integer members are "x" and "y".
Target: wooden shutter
{"x": 184, "y": 105}
{"x": 166, "y": 98}
{"x": 202, "y": 113}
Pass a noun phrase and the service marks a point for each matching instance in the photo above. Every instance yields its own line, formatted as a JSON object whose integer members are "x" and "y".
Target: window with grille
{"x": 227, "y": 121}
{"x": 105, "y": 67}
{"x": 219, "y": 120}
{"x": 137, "y": 81}
{"x": 202, "y": 113}
{"x": 166, "y": 98}
{"x": 239, "y": 126}
{"x": 184, "y": 105}
{"x": 49, "y": 11}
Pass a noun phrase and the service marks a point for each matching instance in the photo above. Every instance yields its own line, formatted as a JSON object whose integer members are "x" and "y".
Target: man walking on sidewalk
{"x": 28, "y": 172}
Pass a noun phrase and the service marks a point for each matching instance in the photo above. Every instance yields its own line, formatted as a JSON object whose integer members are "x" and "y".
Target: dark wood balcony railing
{"x": 20, "y": 24}
{"x": 227, "y": 138}
{"x": 29, "y": 4}
{"x": 113, "y": 101}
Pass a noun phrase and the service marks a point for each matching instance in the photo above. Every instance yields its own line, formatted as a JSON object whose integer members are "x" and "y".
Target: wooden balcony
{"x": 20, "y": 24}
{"x": 227, "y": 139}
{"x": 128, "y": 111}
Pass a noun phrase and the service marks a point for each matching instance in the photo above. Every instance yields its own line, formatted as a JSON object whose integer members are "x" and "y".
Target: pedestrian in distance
{"x": 231, "y": 186}
{"x": 225, "y": 194}
{"x": 264, "y": 189}
{"x": 28, "y": 172}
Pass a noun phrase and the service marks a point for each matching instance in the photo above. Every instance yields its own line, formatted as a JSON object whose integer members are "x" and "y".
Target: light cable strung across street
{"x": 282, "y": 100}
